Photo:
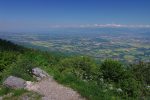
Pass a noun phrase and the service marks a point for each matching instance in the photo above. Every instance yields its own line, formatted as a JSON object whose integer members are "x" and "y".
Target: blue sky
{"x": 44, "y": 14}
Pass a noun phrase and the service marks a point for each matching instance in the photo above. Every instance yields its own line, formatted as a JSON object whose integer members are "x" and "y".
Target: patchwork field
{"x": 128, "y": 45}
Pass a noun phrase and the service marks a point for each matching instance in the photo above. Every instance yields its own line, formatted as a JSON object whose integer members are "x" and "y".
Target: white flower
{"x": 119, "y": 90}
{"x": 148, "y": 87}
{"x": 102, "y": 80}
{"x": 105, "y": 90}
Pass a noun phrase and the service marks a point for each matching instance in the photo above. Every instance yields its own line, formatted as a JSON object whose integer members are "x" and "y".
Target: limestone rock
{"x": 39, "y": 73}
{"x": 14, "y": 82}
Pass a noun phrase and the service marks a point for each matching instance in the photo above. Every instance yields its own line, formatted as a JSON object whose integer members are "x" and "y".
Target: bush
{"x": 112, "y": 70}
{"x": 141, "y": 72}
{"x": 82, "y": 67}
{"x": 6, "y": 59}
{"x": 130, "y": 87}
{"x": 22, "y": 68}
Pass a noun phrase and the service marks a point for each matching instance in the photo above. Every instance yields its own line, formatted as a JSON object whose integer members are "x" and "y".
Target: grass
{"x": 22, "y": 94}
{"x": 4, "y": 90}
{"x": 18, "y": 94}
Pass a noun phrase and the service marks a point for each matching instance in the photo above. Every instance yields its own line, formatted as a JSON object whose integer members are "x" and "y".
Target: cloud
{"x": 100, "y": 26}
{"x": 117, "y": 26}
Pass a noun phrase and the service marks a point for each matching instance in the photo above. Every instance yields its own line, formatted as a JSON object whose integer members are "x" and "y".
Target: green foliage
{"x": 22, "y": 69}
{"x": 90, "y": 89}
{"x": 6, "y": 59}
{"x": 19, "y": 94}
{"x": 112, "y": 70}
{"x": 141, "y": 72}
{"x": 82, "y": 67}
{"x": 81, "y": 73}
{"x": 131, "y": 87}
{"x": 9, "y": 46}
{"x": 4, "y": 90}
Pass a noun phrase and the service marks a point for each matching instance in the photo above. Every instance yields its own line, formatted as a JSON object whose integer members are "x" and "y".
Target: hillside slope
{"x": 106, "y": 80}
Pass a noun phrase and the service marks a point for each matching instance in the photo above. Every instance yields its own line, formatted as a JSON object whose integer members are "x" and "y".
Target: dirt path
{"x": 51, "y": 90}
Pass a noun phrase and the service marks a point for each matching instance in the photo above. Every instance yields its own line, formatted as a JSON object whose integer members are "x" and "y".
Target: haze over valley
{"x": 125, "y": 44}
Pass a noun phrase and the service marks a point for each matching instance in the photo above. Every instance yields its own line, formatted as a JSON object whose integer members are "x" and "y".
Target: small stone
{"x": 14, "y": 82}
{"x": 38, "y": 79}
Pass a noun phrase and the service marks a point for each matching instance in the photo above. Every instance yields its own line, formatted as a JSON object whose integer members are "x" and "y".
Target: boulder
{"x": 39, "y": 73}
{"x": 14, "y": 82}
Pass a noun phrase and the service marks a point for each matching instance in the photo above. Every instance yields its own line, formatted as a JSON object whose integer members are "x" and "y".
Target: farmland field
{"x": 127, "y": 45}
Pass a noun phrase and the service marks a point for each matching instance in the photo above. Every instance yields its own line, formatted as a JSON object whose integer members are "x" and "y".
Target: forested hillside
{"x": 94, "y": 80}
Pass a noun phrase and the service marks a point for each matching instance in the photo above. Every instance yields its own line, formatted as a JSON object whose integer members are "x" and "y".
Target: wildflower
{"x": 101, "y": 80}
{"x": 119, "y": 90}
{"x": 148, "y": 87}
{"x": 105, "y": 90}
{"x": 110, "y": 87}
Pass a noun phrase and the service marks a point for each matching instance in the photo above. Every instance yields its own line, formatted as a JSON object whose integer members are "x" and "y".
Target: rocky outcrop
{"x": 14, "y": 82}
{"x": 39, "y": 73}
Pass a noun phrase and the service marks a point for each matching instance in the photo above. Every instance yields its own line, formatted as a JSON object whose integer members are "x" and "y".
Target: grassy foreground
{"x": 95, "y": 80}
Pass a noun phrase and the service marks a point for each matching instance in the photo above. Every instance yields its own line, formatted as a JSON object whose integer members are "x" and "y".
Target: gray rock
{"x": 14, "y": 82}
{"x": 39, "y": 73}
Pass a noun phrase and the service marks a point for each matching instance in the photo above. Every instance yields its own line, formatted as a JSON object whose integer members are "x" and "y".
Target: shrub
{"x": 112, "y": 70}
{"x": 82, "y": 67}
{"x": 6, "y": 59}
{"x": 141, "y": 72}
{"x": 131, "y": 87}
{"x": 21, "y": 69}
